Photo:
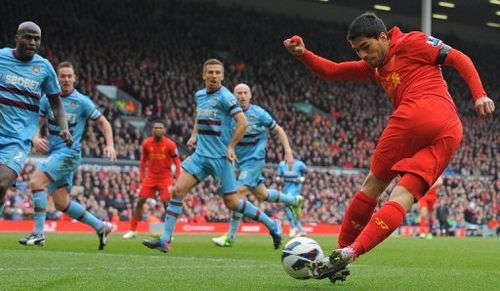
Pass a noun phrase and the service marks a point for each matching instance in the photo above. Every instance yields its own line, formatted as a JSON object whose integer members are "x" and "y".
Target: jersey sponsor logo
{"x": 206, "y": 112}
{"x": 21, "y": 81}
{"x": 36, "y": 69}
{"x": 435, "y": 42}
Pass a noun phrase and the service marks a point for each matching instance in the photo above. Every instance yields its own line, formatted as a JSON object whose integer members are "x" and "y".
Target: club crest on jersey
{"x": 433, "y": 41}
{"x": 72, "y": 104}
{"x": 251, "y": 118}
{"x": 36, "y": 69}
{"x": 213, "y": 101}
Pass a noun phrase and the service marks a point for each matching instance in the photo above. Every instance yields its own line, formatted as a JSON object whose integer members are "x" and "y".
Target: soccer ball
{"x": 298, "y": 254}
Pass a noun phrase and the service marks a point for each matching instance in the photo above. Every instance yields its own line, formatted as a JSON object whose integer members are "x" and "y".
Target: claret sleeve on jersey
{"x": 343, "y": 71}
{"x": 230, "y": 104}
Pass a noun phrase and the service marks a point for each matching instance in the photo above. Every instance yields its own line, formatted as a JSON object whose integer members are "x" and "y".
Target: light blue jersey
{"x": 253, "y": 145}
{"x": 292, "y": 176}
{"x": 63, "y": 161}
{"x": 21, "y": 86}
{"x": 78, "y": 108}
{"x": 214, "y": 113}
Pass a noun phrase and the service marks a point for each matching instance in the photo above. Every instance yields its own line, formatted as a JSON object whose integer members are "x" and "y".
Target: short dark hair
{"x": 213, "y": 62}
{"x": 368, "y": 25}
{"x": 158, "y": 120}
{"x": 65, "y": 64}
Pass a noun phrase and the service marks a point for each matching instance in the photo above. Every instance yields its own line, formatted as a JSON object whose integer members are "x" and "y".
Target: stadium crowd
{"x": 157, "y": 60}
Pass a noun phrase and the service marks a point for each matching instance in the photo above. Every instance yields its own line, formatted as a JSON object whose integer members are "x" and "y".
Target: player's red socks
{"x": 380, "y": 226}
{"x": 133, "y": 223}
{"x": 423, "y": 225}
{"x": 356, "y": 217}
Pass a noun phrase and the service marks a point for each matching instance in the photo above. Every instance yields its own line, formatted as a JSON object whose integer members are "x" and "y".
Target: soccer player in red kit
{"x": 155, "y": 171}
{"x": 420, "y": 138}
{"x": 426, "y": 205}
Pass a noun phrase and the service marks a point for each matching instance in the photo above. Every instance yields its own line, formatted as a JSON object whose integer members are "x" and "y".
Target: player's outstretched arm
{"x": 239, "y": 132}
{"x": 463, "y": 64}
{"x": 278, "y": 130}
{"x": 109, "y": 150}
{"x": 60, "y": 116}
{"x": 326, "y": 69}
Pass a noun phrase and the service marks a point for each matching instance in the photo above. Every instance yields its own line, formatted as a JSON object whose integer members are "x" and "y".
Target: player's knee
{"x": 3, "y": 190}
{"x": 36, "y": 181}
{"x": 373, "y": 186}
{"x": 231, "y": 202}
{"x": 178, "y": 192}
{"x": 60, "y": 205}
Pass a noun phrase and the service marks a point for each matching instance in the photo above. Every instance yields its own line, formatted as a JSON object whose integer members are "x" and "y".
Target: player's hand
{"x": 110, "y": 153}
{"x": 40, "y": 145}
{"x": 484, "y": 106}
{"x": 66, "y": 136}
{"x": 231, "y": 155}
{"x": 295, "y": 45}
{"x": 191, "y": 143}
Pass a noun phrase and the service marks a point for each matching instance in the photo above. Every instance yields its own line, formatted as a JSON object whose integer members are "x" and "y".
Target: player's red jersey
{"x": 424, "y": 130}
{"x": 157, "y": 159}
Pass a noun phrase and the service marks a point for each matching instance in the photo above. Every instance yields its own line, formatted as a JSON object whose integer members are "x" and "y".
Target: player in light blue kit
{"x": 216, "y": 107}
{"x": 293, "y": 177}
{"x": 251, "y": 153}
{"x": 24, "y": 77}
{"x": 57, "y": 172}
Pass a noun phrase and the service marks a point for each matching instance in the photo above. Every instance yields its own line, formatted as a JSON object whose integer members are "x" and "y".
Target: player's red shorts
{"x": 420, "y": 138}
{"x": 428, "y": 200}
{"x": 150, "y": 186}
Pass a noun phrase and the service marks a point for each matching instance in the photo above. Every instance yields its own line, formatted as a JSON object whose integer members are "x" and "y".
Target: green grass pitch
{"x": 72, "y": 262}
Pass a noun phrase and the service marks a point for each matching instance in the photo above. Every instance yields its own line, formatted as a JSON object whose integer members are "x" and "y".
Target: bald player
{"x": 251, "y": 153}
{"x": 24, "y": 77}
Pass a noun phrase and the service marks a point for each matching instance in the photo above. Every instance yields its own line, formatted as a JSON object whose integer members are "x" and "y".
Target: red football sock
{"x": 423, "y": 225}
{"x": 133, "y": 223}
{"x": 356, "y": 217}
{"x": 380, "y": 226}
{"x": 431, "y": 223}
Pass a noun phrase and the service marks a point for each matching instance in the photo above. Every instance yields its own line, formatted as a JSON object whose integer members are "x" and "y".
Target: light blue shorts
{"x": 60, "y": 168}
{"x": 13, "y": 152}
{"x": 251, "y": 173}
{"x": 220, "y": 169}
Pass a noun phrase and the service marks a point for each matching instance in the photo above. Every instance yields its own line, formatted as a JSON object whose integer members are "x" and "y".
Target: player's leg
{"x": 136, "y": 217}
{"x": 292, "y": 221}
{"x": 147, "y": 190}
{"x": 193, "y": 172}
{"x": 424, "y": 213}
{"x": 294, "y": 202}
{"x": 227, "y": 240}
{"x": 420, "y": 172}
{"x": 62, "y": 202}
{"x": 360, "y": 209}
{"x": 223, "y": 170}
{"x": 48, "y": 172}
{"x": 38, "y": 183}
{"x": 7, "y": 177}
{"x": 13, "y": 154}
